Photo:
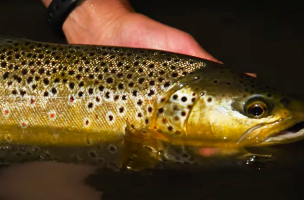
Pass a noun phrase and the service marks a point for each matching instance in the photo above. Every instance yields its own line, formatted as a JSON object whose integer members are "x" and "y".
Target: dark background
{"x": 265, "y": 37}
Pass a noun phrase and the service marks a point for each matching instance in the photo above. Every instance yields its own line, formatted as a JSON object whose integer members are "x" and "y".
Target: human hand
{"x": 114, "y": 23}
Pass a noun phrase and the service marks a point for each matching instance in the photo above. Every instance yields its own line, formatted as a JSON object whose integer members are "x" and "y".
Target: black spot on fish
{"x": 119, "y": 64}
{"x": 22, "y": 92}
{"x": 139, "y": 102}
{"x": 72, "y": 85}
{"x": 151, "y": 92}
{"x": 184, "y": 99}
{"x": 101, "y": 88}
{"x": 141, "y": 80}
{"x": 160, "y": 110}
{"x": 134, "y": 93}
{"x": 112, "y": 149}
{"x": 81, "y": 84}
{"x": 30, "y": 79}
{"x": 120, "y": 86}
{"x": 46, "y": 81}
{"x": 57, "y": 80}
{"x": 41, "y": 71}
{"x": 131, "y": 84}
{"x": 54, "y": 91}
{"x": 90, "y": 90}
{"x": 90, "y": 105}
{"x": 17, "y": 78}
{"x": 167, "y": 84}
{"x": 107, "y": 95}
{"x": 5, "y": 75}
{"x": 24, "y": 71}
{"x": 174, "y": 74}
{"x": 109, "y": 80}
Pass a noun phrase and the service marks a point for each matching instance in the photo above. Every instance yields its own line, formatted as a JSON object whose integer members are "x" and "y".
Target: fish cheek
{"x": 215, "y": 123}
{"x": 198, "y": 125}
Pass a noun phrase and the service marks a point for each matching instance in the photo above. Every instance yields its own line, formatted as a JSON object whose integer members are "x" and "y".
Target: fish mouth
{"x": 292, "y": 133}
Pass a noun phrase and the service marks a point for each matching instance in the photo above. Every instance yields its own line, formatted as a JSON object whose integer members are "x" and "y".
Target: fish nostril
{"x": 285, "y": 102}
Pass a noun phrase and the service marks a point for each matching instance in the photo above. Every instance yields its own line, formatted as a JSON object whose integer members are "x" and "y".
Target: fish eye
{"x": 256, "y": 108}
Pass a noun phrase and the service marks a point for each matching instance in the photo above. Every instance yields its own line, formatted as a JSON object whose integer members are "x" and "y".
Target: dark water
{"x": 265, "y": 37}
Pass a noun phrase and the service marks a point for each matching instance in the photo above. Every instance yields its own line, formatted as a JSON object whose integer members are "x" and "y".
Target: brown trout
{"x": 124, "y": 106}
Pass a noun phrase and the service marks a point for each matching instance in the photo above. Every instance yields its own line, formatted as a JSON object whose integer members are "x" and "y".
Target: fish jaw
{"x": 293, "y": 132}
{"x": 291, "y": 128}
{"x": 277, "y": 132}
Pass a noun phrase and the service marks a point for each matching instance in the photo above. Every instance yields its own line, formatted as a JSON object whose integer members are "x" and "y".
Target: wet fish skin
{"x": 80, "y": 96}
{"x": 114, "y": 103}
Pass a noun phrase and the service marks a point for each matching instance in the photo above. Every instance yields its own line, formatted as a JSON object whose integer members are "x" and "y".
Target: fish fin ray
{"x": 139, "y": 150}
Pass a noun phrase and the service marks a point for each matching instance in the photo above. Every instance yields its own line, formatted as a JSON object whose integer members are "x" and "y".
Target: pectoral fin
{"x": 140, "y": 150}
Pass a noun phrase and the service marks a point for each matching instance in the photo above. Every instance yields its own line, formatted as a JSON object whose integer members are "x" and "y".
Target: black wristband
{"x": 58, "y": 11}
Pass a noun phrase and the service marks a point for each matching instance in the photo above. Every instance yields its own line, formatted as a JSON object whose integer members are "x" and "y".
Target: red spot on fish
{"x": 6, "y": 112}
{"x": 10, "y": 83}
{"x": 71, "y": 99}
{"x": 32, "y": 101}
{"x": 87, "y": 122}
{"x": 252, "y": 74}
{"x": 52, "y": 115}
{"x": 23, "y": 124}
{"x": 96, "y": 116}
{"x": 207, "y": 152}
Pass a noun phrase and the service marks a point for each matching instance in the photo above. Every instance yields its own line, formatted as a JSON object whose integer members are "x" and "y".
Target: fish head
{"x": 219, "y": 107}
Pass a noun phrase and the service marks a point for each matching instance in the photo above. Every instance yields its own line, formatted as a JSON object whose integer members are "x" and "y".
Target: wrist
{"x": 92, "y": 17}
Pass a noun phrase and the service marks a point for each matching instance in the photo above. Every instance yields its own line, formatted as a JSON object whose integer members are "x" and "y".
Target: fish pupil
{"x": 257, "y": 111}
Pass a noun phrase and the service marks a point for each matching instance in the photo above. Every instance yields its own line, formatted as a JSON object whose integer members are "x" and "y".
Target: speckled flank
{"x": 125, "y": 106}
{"x": 72, "y": 93}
